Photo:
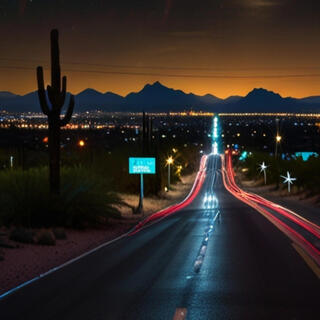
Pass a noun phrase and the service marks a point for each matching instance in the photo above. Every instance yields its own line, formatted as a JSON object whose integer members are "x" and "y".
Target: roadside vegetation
{"x": 92, "y": 184}
{"x": 306, "y": 172}
{"x": 85, "y": 199}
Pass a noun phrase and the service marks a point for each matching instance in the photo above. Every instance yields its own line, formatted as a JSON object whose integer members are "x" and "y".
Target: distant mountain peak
{"x": 89, "y": 91}
{"x": 155, "y": 86}
{"x": 262, "y": 92}
{"x": 7, "y": 94}
{"x": 157, "y": 97}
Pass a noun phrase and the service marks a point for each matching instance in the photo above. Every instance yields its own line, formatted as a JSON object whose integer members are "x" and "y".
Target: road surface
{"x": 215, "y": 260}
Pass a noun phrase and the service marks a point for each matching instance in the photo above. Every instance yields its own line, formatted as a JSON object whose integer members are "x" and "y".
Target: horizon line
{"x": 157, "y": 81}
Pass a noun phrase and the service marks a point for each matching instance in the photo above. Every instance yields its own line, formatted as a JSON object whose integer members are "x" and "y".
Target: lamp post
{"x": 278, "y": 140}
{"x": 288, "y": 179}
{"x": 263, "y": 168}
{"x": 169, "y": 162}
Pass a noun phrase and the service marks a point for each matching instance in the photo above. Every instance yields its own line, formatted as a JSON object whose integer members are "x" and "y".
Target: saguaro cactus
{"x": 51, "y": 105}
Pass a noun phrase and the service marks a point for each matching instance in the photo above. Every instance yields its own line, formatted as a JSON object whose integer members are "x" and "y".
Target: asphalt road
{"x": 225, "y": 262}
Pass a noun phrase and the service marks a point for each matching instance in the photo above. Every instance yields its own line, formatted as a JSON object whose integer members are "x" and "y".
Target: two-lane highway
{"x": 217, "y": 258}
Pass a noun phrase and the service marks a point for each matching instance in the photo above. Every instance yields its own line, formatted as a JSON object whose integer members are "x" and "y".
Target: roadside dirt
{"x": 29, "y": 260}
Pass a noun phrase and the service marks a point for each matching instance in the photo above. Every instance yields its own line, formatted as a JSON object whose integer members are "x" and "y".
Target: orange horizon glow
{"x": 120, "y": 46}
{"x": 222, "y": 88}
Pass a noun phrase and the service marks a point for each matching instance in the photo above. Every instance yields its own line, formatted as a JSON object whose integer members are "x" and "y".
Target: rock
{"x": 22, "y": 235}
{"x": 46, "y": 237}
{"x": 6, "y": 244}
{"x": 59, "y": 233}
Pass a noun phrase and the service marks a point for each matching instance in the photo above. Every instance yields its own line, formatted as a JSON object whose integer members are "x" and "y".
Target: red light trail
{"x": 261, "y": 205}
{"x": 172, "y": 209}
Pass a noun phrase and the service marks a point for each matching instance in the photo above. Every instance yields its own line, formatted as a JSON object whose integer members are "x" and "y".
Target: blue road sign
{"x": 142, "y": 165}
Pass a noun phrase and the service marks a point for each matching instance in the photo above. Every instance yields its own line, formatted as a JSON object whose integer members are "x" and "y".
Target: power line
{"x": 171, "y": 75}
{"x": 39, "y": 61}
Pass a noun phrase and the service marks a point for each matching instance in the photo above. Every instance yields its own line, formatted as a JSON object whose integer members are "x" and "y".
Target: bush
{"x": 59, "y": 233}
{"x": 22, "y": 235}
{"x": 306, "y": 172}
{"x": 46, "y": 237}
{"x": 85, "y": 199}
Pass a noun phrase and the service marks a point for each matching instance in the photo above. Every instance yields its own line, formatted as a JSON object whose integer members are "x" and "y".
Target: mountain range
{"x": 159, "y": 98}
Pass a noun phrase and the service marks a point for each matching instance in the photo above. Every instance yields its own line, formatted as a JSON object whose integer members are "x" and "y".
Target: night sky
{"x": 224, "y": 47}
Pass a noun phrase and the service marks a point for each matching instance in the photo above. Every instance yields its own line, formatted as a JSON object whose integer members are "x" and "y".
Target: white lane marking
{"x": 204, "y": 245}
{"x": 24, "y": 284}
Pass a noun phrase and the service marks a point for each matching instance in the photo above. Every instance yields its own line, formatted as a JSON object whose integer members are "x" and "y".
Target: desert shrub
{"x": 46, "y": 237}
{"x": 22, "y": 235}
{"x": 306, "y": 172}
{"x": 59, "y": 233}
{"x": 85, "y": 199}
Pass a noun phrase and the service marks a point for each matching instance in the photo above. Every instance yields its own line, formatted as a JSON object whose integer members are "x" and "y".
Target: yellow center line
{"x": 180, "y": 314}
{"x": 312, "y": 265}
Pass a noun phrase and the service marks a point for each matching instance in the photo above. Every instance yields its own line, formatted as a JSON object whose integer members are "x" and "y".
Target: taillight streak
{"x": 200, "y": 177}
{"x": 259, "y": 203}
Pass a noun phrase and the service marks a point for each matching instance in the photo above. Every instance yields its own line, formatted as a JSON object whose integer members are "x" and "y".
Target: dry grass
{"x": 154, "y": 204}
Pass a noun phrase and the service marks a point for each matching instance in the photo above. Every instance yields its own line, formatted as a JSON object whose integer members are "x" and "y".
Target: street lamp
{"x": 169, "y": 162}
{"x": 81, "y": 143}
{"x": 288, "y": 179}
{"x": 263, "y": 168}
{"x": 278, "y": 140}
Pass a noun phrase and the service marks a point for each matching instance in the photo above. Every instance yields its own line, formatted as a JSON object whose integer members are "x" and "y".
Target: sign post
{"x": 140, "y": 207}
{"x": 142, "y": 166}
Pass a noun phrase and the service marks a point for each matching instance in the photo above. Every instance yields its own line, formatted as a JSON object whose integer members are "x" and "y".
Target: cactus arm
{"x": 68, "y": 115}
{"x": 63, "y": 92}
{"x": 42, "y": 92}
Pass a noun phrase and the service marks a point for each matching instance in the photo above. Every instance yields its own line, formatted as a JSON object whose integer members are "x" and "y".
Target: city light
{"x": 81, "y": 143}
{"x": 215, "y": 136}
{"x": 179, "y": 169}
{"x": 170, "y": 160}
{"x": 278, "y": 138}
